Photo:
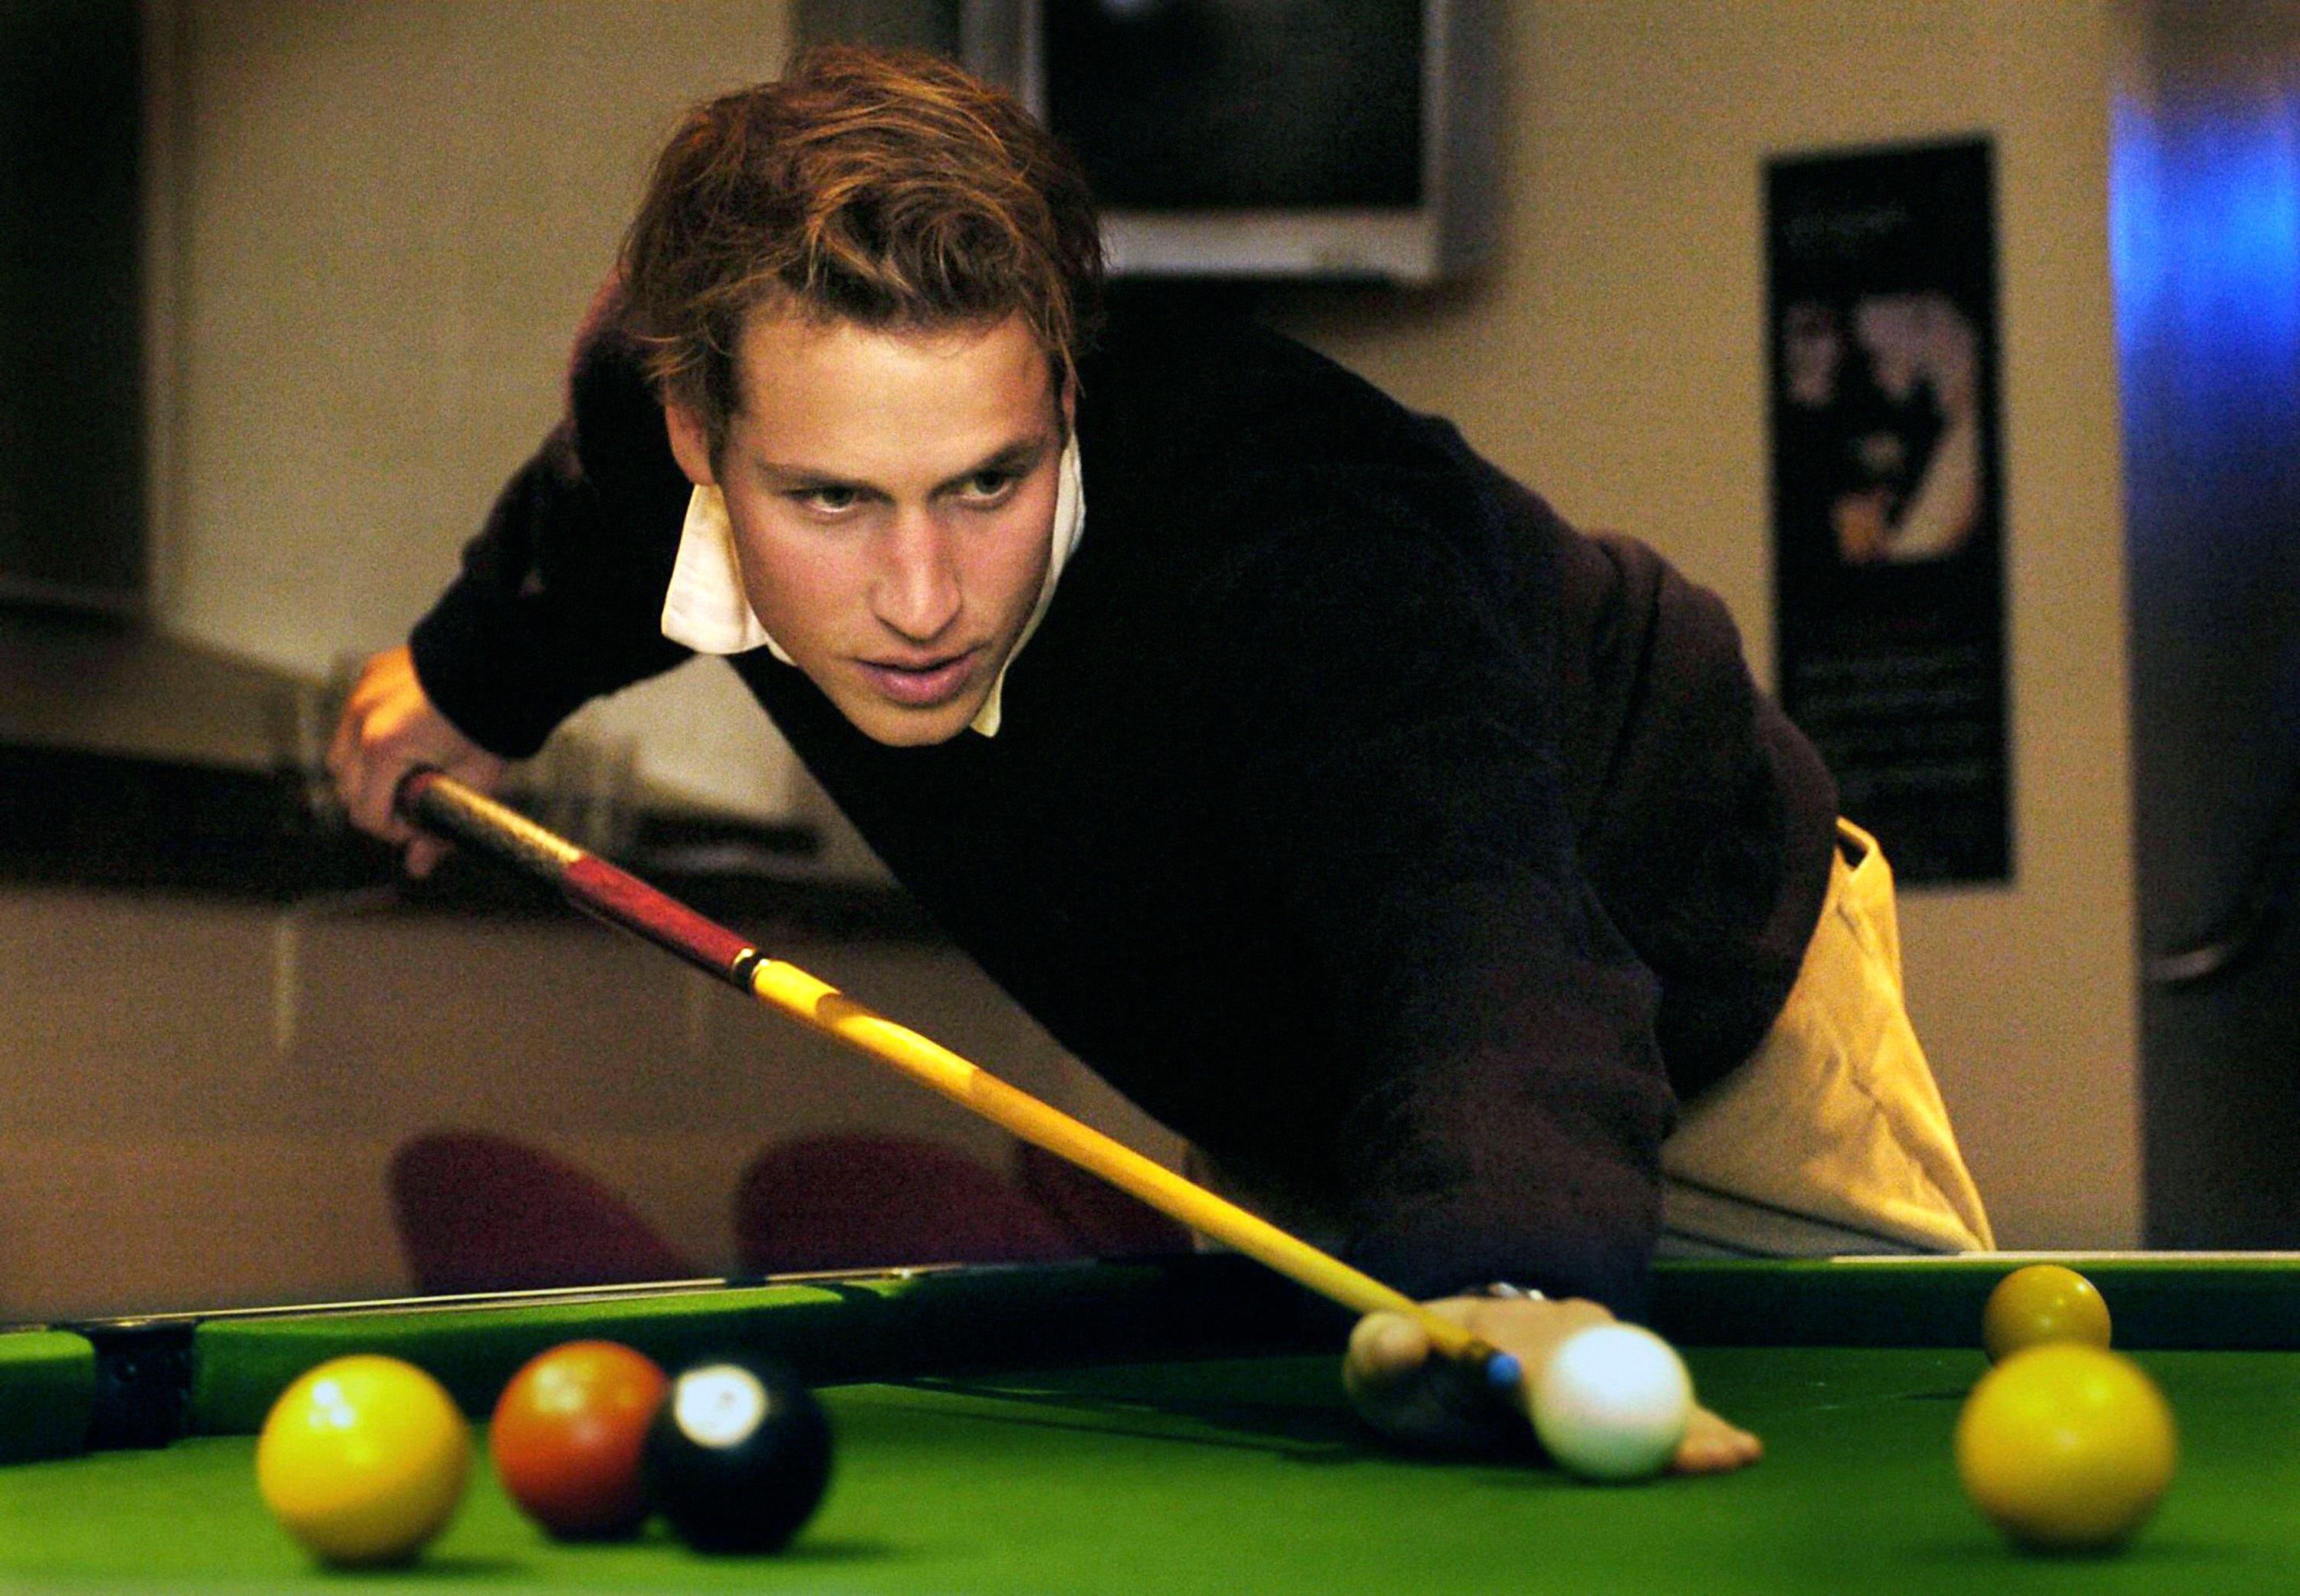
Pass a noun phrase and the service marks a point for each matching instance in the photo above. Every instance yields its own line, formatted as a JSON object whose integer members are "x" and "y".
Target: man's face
{"x": 892, "y": 496}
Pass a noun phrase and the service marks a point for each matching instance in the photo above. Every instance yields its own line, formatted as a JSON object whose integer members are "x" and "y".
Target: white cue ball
{"x": 1613, "y": 1403}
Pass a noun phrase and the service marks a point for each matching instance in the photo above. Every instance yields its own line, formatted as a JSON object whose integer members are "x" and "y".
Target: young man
{"x": 1412, "y": 855}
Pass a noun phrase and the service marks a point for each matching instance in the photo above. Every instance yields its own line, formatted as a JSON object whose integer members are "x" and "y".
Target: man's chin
{"x": 903, "y": 725}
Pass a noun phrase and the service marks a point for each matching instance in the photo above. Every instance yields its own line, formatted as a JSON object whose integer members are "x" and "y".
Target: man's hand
{"x": 1399, "y": 1389}
{"x": 388, "y": 728}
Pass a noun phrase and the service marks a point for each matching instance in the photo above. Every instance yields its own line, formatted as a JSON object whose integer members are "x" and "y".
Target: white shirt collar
{"x": 707, "y": 609}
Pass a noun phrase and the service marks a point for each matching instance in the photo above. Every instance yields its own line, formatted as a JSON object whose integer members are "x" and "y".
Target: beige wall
{"x": 384, "y": 217}
{"x": 1615, "y": 359}
{"x": 380, "y": 222}
{"x": 203, "y": 1098}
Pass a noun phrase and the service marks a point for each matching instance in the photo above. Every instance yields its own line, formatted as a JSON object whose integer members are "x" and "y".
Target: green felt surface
{"x": 1249, "y": 1475}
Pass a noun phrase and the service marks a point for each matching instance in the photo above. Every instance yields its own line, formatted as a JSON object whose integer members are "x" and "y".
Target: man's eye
{"x": 991, "y": 485}
{"x": 829, "y": 501}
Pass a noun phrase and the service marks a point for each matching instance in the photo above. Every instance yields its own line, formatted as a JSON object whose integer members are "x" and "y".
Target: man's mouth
{"x": 924, "y": 685}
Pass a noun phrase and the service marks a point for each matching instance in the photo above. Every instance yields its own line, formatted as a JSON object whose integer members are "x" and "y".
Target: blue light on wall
{"x": 2204, "y": 248}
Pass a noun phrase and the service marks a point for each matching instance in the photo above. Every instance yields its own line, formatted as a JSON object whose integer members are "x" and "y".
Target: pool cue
{"x": 450, "y": 809}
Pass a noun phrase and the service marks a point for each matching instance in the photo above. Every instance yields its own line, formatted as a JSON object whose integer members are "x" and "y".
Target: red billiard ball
{"x": 568, "y": 1436}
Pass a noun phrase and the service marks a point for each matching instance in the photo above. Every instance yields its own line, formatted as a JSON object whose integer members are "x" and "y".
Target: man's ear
{"x": 690, "y": 442}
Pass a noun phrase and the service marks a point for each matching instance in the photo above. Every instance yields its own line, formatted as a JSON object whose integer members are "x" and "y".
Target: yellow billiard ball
{"x": 362, "y": 1460}
{"x": 2040, "y": 1303}
{"x": 2066, "y": 1447}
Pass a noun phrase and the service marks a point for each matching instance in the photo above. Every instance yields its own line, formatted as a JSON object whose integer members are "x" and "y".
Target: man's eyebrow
{"x": 797, "y": 477}
{"x": 1019, "y": 458}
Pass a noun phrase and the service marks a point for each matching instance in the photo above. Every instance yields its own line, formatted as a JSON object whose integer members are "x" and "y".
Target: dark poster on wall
{"x": 1888, "y": 534}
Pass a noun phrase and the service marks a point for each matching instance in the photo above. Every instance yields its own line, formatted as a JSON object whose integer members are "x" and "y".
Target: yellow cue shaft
{"x": 826, "y": 1009}
{"x": 453, "y": 809}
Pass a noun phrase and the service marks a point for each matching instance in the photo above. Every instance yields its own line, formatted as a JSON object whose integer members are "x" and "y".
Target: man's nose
{"x": 918, "y": 592}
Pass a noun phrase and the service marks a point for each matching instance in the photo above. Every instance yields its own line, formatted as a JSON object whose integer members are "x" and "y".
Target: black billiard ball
{"x": 739, "y": 1455}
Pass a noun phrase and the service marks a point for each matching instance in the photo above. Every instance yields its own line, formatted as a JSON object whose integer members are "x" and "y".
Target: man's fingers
{"x": 366, "y": 788}
{"x": 1384, "y": 1349}
{"x": 423, "y": 855}
{"x": 387, "y": 728}
{"x": 1424, "y": 1401}
{"x": 1713, "y": 1445}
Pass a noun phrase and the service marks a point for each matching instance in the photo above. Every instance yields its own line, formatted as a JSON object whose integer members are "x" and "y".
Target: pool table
{"x": 1176, "y": 1426}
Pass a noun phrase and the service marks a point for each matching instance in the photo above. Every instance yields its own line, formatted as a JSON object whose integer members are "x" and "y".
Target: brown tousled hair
{"x": 892, "y": 190}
